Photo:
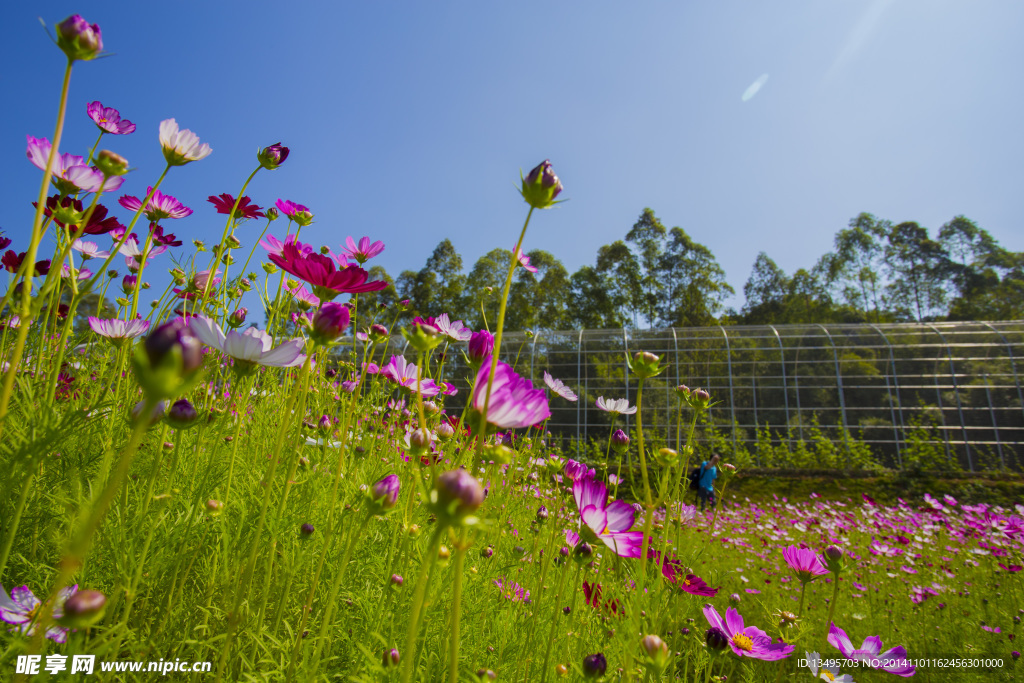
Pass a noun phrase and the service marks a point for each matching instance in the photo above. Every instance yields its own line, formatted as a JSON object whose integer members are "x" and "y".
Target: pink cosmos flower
{"x": 276, "y": 246}
{"x": 577, "y": 470}
{"x": 523, "y": 259}
{"x": 83, "y": 273}
{"x": 108, "y": 119}
{"x": 615, "y": 406}
{"x": 870, "y": 654}
{"x": 919, "y": 594}
{"x": 804, "y": 562}
{"x": 303, "y": 296}
{"x": 296, "y": 212}
{"x": 249, "y": 348}
{"x": 514, "y": 402}
{"x": 118, "y": 330}
{"x": 130, "y": 248}
{"x": 20, "y": 607}
{"x": 694, "y": 585}
{"x": 200, "y": 279}
{"x": 363, "y": 251}
{"x": 511, "y": 590}
{"x": 746, "y": 641}
{"x": 558, "y": 387}
{"x": 70, "y": 172}
{"x": 609, "y": 523}
{"x": 319, "y": 271}
{"x": 403, "y": 373}
{"x": 456, "y": 331}
{"x": 160, "y": 205}
{"x": 89, "y": 250}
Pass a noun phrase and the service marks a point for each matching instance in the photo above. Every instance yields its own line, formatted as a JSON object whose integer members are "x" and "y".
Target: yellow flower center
{"x": 687, "y": 582}
{"x": 743, "y": 642}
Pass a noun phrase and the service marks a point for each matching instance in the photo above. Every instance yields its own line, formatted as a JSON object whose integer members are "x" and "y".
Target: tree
{"x": 693, "y": 281}
{"x": 483, "y": 288}
{"x": 987, "y": 280}
{"x": 765, "y": 292}
{"x": 437, "y": 287}
{"x": 622, "y": 269}
{"x": 591, "y": 303}
{"x": 855, "y": 267}
{"x": 917, "y": 267}
{"x": 648, "y": 234}
{"x": 539, "y": 300}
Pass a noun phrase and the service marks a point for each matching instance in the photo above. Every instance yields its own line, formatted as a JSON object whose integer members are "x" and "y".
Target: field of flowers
{"x": 185, "y": 490}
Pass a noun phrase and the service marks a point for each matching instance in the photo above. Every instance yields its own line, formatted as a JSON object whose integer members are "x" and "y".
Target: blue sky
{"x": 409, "y": 122}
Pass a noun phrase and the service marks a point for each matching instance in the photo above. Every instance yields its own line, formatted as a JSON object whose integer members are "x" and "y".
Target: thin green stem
{"x": 426, "y": 570}
{"x": 453, "y": 652}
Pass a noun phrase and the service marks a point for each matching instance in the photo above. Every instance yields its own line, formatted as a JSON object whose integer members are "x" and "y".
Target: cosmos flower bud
{"x": 397, "y": 580}
{"x": 443, "y": 554}
{"x": 237, "y": 319}
{"x": 269, "y": 268}
{"x": 423, "y": 337}
{"x": 541, "y": 186}
{"x": 561, "y": 670}
{"x": 456, "y": 495}
{"x": 324, "y": 424}
{"x": 383, "y": 494}
{"x": 153, "y": 418}
{"x": 128, "y": 284}
{"x": 486, "y": 675}
{"x": 445, "y": 431}
{"x": 716, "y": 639}
{"x": 273, "y": 156}
{"x": 214, "y": 507}
{"x": 594, "y": 665}
{"x": 682, "y": 391}
{"x": 79, "y": 39}
{"x": 833, "y": 559}
{"x": 306, "y": 530}
{"x": 378, "y": 333}
{"x": 272, "y": 214}
{"x": 111, "y": 164}
{"x": 481, "y": 345}
{"x": 390, "y": 658}
{"x": 487, "y": 553}
{"x": 734, "y": 599}
{"x": 666, "y": 457}
{"x": 83, "y": 609}
{"x": 620, "y": 440}
{"x": 419, "y": 441}
{"x": 182, "y": 414}
{"x": 330, "y": 322}
{"x": 645, "y": 364}
{"x": 655, "y": 650}
{"x": 167, "y": 361}
{"x": 498, "y": 453}
{"x": 542, "y": 514}
{"x": 583, "y": 552}
{"x": 699, "y": 399}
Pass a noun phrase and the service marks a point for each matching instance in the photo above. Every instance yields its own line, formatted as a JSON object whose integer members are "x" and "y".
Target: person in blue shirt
{"x": 706, "y": 483}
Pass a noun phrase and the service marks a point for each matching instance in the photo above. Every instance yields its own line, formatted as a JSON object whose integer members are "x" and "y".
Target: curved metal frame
{"x": 732, "y": 398}
{"x": 1013, "y": 363}
{"x": 956, "y": 392}
{"x": 892, "y": 409}
{"x": 839, "y": 390}
{"x": 782, "y": 364}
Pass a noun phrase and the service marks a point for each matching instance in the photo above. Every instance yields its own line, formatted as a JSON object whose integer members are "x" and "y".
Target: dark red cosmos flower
{"x": 225, "y": 202}
{"x": 99, "y": 222}
{"x": 592, "y": 596}
{"x": 160, "y": 239}
{"x": 4, "y": 242}
{"x": 320, "y": 272}
{"x": 12, "y": 262}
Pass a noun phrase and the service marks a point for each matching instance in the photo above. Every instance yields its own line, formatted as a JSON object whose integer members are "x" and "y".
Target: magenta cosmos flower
{"x": 108, "y": 119}
{"x": 20, "y": 607}
{"x": 319, "y": 271}
{"x": 746, "y": 641}
{"x": 403, "y": 373}
{"x": 276, "y": 246}
{"x": 249, "y": 348}
{"x": 296, "y": 212}
{"x": 514, "y": 402}
{"x": 804, "y": 562}
{"x": 893, "y": 660}
{"x": 523, "y": 259}
{"x": 694, "y": 585}
{"x": 118, "y": 330}
{"x": 160, "y": 205}
{"x": 615, "y": 406}
{"x": 609, "y": 523}
{"x": 558, "y": 387}
{"x": 181, "y": 146}
{"x": 363, "y": 251}
{"x": 225, "y": 203}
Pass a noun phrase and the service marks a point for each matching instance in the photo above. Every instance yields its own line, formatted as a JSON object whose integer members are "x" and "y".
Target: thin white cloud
{"x": 859, "y": 35}
{"x": 754, "y": 87}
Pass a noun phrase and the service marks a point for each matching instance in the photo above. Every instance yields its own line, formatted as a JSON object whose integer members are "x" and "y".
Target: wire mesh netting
{"x": 933, "y": 395}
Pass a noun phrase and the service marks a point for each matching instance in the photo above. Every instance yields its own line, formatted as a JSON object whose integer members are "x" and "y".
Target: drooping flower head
{"x": 160, "y": 205}
{"x": 893, "y": 660}
{"x": 108, "y": 119}
{"x": 320, "y": 272}
{"x": 523, "y": 259}
{"x": 181, "y": 146}
{"x": 514, "y": 402}
{"x": 296, "y": 212}
{"x": 225, "y": 203}
{"x": 249, "y": 348}
{"x": 363, "y": 251}
{"x": 609, "y": 523}
{"x": 615, "y": 406}
{"x": 804, "y": 562}
{"x": 558, "y": 387}
{"x": 746, "y": 641}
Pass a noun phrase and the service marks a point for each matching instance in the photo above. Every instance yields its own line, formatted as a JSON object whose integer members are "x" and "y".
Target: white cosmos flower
{"x": 558, "y": 386}
{"x": 181, "y": 146}
{"x": 251, "y": 346}
{"x": 615, "y": 406}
